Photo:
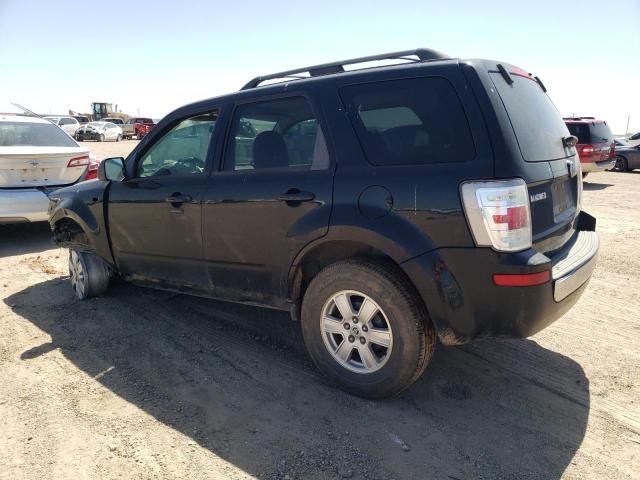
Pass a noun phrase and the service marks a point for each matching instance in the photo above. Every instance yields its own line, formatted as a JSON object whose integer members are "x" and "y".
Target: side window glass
{"x": 276, "y": 134}
{"x": 182, "y": 150}
{"x": 409, "y": 122}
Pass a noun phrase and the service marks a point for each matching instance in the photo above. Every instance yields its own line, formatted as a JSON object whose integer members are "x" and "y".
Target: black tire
{"x": 621, "y": 164}
{"x": 118, "y": 138}
{"x": 101, "y": 138}
{"x": 88, "y": 273}
{"x": 413, "y": 336}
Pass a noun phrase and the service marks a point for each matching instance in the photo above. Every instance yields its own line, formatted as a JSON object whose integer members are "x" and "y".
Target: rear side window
{"x": 281, "y": 133}
{"x": 591, "y": 132}
{"x": 537, "y": 124}
{"x": 409, "y": 122}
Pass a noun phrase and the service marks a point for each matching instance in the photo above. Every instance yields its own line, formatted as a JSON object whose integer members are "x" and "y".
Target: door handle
{"x": 296, "y": 195}
{"x": 177, "y": 199}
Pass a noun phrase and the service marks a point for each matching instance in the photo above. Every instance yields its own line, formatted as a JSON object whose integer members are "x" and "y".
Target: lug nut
{"x": 365, "y": 328}
{"x": 362, "y": 340}
{"x": 355, "y": 319}
{"x": 352, "y": 338}
{"x": 346, "y": 326}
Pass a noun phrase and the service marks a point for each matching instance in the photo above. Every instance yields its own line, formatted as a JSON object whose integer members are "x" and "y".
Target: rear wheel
{"x": 621, "y": 164}
{"x": 118, "y": 138}
{"x": 88, "y": 273}
{"x": 101, "y": 138}
{"x": 365, "y": 329}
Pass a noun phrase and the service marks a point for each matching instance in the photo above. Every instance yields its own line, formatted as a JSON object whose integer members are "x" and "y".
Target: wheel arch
{"x": 327, "y": 251}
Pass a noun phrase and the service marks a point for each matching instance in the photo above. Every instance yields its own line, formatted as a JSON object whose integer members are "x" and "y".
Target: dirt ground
{"x": 144, "y": 384}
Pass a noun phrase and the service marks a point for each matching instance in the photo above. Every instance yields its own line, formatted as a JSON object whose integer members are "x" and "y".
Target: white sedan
{"x": 35, "y": 157}
{"x": 100, "y": 131}
{"x": 68, "y": 124}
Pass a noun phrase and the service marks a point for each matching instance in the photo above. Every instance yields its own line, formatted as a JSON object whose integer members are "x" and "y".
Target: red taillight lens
{"x": 80, "y": 161}
{"x": 612, "y": 151}
{"x": 521, "y": 280}
{"x": 516, "y": 217}
{"x": 92, "y": 171}
{"x": 585, "y": 152}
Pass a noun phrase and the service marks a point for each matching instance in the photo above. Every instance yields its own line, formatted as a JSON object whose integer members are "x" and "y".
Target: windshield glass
{"x": 536, "y": 122}
{"x": 14, "y": 134}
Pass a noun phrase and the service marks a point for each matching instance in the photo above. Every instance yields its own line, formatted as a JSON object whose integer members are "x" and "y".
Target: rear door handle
{"x": 296, "y": 195}
{"x": 177, "y": 199}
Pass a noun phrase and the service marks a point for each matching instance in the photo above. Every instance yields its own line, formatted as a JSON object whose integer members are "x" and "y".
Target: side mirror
{"x": 111, "y": 169}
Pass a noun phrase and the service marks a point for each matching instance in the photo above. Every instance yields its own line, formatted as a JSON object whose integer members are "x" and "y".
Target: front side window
{"x": 409, "y": 122}
{"x": 182, "y": 150}
{"x": 280, "y": 133}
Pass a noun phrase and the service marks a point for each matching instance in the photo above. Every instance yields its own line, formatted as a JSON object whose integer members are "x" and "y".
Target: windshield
{"x": 95, "y": 124}
{"x": 536, "y": 122}
{"x": 15, "y": 134}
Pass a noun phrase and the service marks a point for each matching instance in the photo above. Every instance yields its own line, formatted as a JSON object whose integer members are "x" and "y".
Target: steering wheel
{"x": 190, "y": 164}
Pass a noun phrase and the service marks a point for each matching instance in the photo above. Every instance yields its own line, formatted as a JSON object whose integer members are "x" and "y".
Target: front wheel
{"x": 88, "y": 273}
{"x": 101, "y": 138}
{"x": 118, "y": 138}
{"x": 365, "y": 329}
{"x": 621, "y": 164}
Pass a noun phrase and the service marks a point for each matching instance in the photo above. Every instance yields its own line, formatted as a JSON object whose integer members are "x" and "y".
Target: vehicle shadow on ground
{"x": 236, "y": 380}
{"x": 587, "y": 185}
{"x": 23, "y": 238}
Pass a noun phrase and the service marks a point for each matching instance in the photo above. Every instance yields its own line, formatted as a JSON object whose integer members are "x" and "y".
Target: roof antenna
{"x": 26, "y": 110}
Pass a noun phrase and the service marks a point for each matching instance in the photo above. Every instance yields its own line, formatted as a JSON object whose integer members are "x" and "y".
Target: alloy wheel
{"x": 356, "y": 332}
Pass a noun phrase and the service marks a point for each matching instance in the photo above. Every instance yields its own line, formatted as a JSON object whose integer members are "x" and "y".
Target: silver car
{"x": 35, "y": 157}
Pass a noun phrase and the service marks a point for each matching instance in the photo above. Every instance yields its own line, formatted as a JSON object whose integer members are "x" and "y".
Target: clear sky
{"x": 153, "y": 56}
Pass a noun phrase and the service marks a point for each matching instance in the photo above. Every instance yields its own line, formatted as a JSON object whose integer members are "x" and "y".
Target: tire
{"x": 401, "y": 322}
{"x": 89, "y": 274}
{"x": 118, "y": 138}
{"x": 621, "y": 164}
{"x": 101, "y": 138}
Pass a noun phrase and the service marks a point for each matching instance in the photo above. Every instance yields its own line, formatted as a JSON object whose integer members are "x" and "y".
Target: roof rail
{"x": 423, "y": 54}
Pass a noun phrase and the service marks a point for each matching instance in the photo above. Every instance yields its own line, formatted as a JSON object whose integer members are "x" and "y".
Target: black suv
{"x": 385, "y": 208}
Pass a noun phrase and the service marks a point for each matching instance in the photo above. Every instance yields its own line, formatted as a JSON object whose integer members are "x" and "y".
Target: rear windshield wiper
{"x": 544, "y": 89}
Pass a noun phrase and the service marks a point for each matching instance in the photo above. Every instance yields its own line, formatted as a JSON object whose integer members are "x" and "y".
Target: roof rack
{"x": 423, "y": 54}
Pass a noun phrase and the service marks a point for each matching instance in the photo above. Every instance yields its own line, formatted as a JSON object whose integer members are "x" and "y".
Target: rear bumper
{"x": 589, "y": 167}
{"x": 23, "y": 205}
{"x": 465, "y": 304}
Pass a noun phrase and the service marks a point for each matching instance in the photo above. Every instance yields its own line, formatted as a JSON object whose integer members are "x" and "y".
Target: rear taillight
{"x": 92, "y": 171}
{"x": 79, "y": 161}
{"x": 612, "y": 151}
{"x": 585, "y": 152}
{"x": 499, "y": 214}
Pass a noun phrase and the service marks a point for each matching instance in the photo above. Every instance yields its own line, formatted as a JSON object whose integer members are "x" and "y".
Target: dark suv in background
{"x": 385, "y": 208}
{"x": 596, "y": 146}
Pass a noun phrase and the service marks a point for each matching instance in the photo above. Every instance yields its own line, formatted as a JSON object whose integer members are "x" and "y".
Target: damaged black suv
{"x": 423, "y": 198}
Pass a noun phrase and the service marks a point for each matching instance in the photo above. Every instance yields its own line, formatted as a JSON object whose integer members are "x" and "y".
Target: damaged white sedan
{"x": 36, "y": 157}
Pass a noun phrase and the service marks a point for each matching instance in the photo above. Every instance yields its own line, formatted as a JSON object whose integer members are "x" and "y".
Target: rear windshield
{"x": 536, "y": 122}
{"x": 591, "y": 132}
{"x": 19, "y": 134}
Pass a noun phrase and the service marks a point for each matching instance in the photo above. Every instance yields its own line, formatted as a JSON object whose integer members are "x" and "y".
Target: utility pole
{"x": 626, "y": 132}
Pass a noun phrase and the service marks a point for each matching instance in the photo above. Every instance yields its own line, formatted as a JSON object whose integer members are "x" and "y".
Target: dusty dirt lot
{"x": 145, "y": 384}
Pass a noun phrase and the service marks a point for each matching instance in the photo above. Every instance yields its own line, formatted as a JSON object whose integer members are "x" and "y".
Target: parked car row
{"x": 134, "y": 127}
{"x": 82, "y": 129}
